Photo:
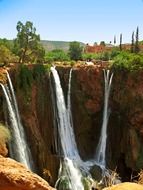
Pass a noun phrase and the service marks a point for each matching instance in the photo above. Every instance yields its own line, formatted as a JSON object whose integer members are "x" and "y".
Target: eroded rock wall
{"x": 125, "y": 127}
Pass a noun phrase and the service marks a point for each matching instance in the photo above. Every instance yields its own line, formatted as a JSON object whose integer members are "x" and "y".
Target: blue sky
{"x": 88, "y": 21}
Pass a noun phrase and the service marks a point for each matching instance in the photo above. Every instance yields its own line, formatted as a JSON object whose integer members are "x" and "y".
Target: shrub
{"x": 25, "y": 77}
{"x": 38, "y": 71}
{"x": 129, "y": 61}
{"x": 56, "y": 55}
{"x": 4, "y": 134}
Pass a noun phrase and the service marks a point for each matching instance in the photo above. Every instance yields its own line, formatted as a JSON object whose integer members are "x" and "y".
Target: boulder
{"x": 15, "y": 176}
{"x": 125, "y": 186}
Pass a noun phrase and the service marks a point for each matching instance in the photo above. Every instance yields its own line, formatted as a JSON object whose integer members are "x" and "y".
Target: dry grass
{"x": 140, "y": 179}
{"x": 111, "y": 178}
{"x": 4, "y": 134}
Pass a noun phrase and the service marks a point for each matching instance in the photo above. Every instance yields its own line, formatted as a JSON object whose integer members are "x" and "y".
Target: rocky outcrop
{"x": 125, "y": 186}
{"x": 3, "y": 149}
{"x": 14, "y": 176}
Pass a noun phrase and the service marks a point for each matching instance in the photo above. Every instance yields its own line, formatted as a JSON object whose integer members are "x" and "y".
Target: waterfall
{"x": 19, "y": 149}
{"x": 64, "y": 120}
{"x": 101, "y": 148}
{"x": 66, "y": 134}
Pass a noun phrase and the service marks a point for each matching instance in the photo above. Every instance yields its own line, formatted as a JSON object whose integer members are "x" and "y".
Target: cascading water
{"x": 64, "y": 120}
{"x": 67, "y": 138}
{"x": 18, "y": 147}
{"x": 101, "y": 148}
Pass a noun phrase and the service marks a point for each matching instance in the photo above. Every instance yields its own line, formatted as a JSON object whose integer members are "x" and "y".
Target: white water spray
{"x": 19, "y": 147}
{"x": 66, "y": 133}
{"x": 101, "y": 148}
{"x": 64, "y": 120}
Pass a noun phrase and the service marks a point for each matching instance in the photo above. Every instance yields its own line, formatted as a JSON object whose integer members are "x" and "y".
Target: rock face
{"x": 125, "y": 186}
{"x": 3, "y": 149}
{"x": 14, "y": 176}
{"x": 125, "y": 121}
{"x": 125, "y": 126}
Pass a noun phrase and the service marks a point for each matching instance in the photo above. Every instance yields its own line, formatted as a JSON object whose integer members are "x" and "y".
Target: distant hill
{"x": 51, "y": 45}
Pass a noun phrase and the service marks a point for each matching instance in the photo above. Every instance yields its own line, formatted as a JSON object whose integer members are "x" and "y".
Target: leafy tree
{"x": 102, "y": 43}
{"x": 27, "y": 44}
{"x": 7, "y": 43}
{"x": 128, "y": 61}
{"x": 75, "y": 51}
{"x": 132, "y": 44}
{"x": 121, "y": 42}
{"x": 114, "y": 40}
{"x": 6, "y": 55}
{"x": 137, "y": 49}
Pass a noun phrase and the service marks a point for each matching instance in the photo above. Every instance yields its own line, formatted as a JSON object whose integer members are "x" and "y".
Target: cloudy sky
{"x": 88, "y": 21}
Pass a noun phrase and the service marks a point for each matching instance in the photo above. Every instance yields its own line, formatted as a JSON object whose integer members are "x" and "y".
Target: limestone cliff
{"x": 125, "y": 131}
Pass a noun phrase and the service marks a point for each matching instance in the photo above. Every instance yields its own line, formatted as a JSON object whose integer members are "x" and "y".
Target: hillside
{"x": 51, "y": 45}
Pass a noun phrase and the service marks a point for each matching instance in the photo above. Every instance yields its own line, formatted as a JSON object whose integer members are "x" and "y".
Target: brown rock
{"x": 3, "y": 149}
{"x": 125, "y": 186}
{"x": 14, "y": 176}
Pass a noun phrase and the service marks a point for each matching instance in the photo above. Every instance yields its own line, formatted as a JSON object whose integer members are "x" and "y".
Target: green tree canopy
{"x": 27, "y": 44}
{"x": 6, "y": 55}
{"x": 56, "y": 55}
{"x": 7, "y": 43}
{"x": 102, "y": 43}
{"x": 137, "y": 49}
{"x": 75, "y": 51}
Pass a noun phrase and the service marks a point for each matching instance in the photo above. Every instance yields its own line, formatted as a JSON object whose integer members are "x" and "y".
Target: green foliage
{"x": 64, "y": 183}
{"x": 6, "y": 55}
{"x": 25, "y": 78}
{"x": 4, "y": 134}
{"x": 75, "y": 51}
{"x": 129, "y": 61}
{"x": 132, "y": 44}
{"x": 38, "y": 71}
{"x": 121, "y": 37}
{"x": 7, "y": 43}
{"x": 86, "y": 183}
{"x": 105, "y": 56}
{"x": 137, "y": 49}
{"x": 27, "y": 44}
{"x": 102, "y": 43}
{"x": 114, "y": 53}
{"x": 89, "y": 56}
{"x": 56, "y": 55}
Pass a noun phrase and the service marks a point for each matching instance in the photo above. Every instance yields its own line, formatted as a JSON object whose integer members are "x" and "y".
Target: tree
{"x": 75, "y": 51}
{"x": 102, "y": 43}
{"x": 56, "y": 55}
{"x": 132, "y": 44}
{"x": 121, "y": 42}
{"x": 114, "y": 40}
{"x": 27, "y": 44}
{"x": 7, "y": 43}
{"x": 137, "y": 49}
{"x": 6, "y": 55}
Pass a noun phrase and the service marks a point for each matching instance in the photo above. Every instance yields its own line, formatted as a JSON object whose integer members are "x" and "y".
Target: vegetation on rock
{"x": 4, "y": 134}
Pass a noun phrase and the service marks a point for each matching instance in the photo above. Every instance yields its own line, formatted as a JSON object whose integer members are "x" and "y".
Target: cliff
{"x": 125, "y": 131}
